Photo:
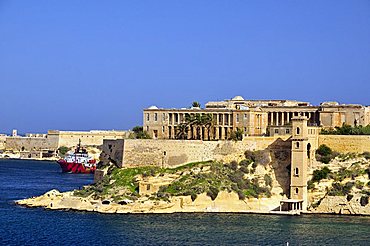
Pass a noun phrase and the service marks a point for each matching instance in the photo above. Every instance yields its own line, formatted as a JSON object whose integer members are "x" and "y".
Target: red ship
{"x": 78, "y": 162}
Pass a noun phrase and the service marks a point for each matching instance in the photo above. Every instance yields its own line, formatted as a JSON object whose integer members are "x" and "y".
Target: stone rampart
{"x": 171, "y": 153}
{"x": 346, "y": 143}
{"x": 30, "y": 143}
{"x": 2, "y": 141}
{"x": 88, "y": 138}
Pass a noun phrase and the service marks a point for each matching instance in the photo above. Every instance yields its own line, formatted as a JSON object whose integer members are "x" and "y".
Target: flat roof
{"x": 291, "y": 200}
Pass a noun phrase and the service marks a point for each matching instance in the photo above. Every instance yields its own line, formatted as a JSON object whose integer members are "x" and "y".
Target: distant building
{"x": 253, "y": 117}
{"x": 39, "y": 145}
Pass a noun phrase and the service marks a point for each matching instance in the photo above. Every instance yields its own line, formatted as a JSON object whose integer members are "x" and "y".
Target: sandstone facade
{"x": 253, "y": 117}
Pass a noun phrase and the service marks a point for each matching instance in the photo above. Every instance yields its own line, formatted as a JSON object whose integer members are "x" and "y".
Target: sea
{"x": 36, "y": 226}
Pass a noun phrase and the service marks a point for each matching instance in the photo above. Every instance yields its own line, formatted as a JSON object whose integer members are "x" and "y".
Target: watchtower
{"x": 299, "y": 160}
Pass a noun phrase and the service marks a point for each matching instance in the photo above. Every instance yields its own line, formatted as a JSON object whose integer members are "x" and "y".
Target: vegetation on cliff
{"x": 351, "y": 178}
{"x": 325, "y": 154}
{"x": 188, "y": 180}
{"x": 215, "y": 177}
{"x": 347, "y": 130}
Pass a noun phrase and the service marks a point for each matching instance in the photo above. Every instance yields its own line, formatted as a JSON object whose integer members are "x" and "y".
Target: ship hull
{"x": 74, "y": 167}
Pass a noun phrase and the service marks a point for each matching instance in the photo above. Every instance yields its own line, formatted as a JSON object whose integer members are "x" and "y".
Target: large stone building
{"x": 253, "y": 117}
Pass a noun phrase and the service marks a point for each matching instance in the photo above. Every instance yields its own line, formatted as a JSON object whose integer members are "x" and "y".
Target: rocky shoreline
{"x": 225, "y": 202}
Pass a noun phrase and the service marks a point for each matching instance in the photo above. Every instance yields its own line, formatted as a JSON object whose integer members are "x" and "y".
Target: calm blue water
{"x": 36, "y": 226}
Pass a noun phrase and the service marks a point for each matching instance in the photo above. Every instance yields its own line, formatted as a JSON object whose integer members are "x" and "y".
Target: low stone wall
{"x": 30, "y": 143}
{"x": 171, "y": 153}
{"x": 346, "y": 143}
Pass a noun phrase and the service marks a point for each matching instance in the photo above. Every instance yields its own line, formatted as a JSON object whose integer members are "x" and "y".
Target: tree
{"x": 194, "y": 120}
{"x": 62, "y": 150}
{"x": 237, "y": 135}
{"x": 196, "y": 104}
{"x": 140, "y": 133}
{"x": 207, "y": 122}
{"x": 182, "y": 131}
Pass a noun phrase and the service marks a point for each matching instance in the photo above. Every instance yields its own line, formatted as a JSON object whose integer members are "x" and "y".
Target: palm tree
{"x": 196, "y": 121}
{"x": 182, "y": 131}
{"x": 195, "y": 104}
{"x": 207, "y": 122}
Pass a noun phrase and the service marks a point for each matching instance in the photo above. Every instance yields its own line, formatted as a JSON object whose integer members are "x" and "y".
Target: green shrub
{"x": 349, "y": 197}
{"x": 212, "y": 192}
{"x": 359, "y": 185}
{"x": 368, "y": 172}
{"x": 193, "y": 196}
{"x": 245, "y": 163}
{"x": 250, "y": 155}
{"x": 234, "y": 165}
{"x": 241, "y": 195}
{"x": 320, "y": 174}
{"x": 338, "y": 189}
{"x": 268, "y": 180}
{"x": 324, "y": 150}
{"x": 244, "y": 169}
{"x": 254, "y": 165}
{"x": 310, "y": 185}
{"x": 348, "y": 130}
{"x": 364, "y": 200}
{"x": 62, "y": 150}
{"x": 366, "y": 154}
{"x": 236, "y": 135}
{"x": 139, "y": 133}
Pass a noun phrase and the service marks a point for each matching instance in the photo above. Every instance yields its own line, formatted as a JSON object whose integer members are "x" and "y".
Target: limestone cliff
{"x": 255, "y": 184}
{"x": 341, "y": 186}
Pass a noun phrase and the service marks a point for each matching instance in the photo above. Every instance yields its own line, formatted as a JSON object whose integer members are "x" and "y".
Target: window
{"x": 287, "y": 131}
{"x": 237, "y": 118}
{"x": 147, "y": 128}
{"x": 296, "y": 171}
{"x": 163, "y": 117}
{"x": 298, "y": 131}
{"x": 297, "y": 145}
{"x": 296, "y": 190}
{"x": 155, "y": 117}
{"x": 162, "y": 128}
{"x": 147, "y": 117}
{"x": 276, "y": 131}
{"x": 245, "y": 116}
{"x": 148, "y": 187}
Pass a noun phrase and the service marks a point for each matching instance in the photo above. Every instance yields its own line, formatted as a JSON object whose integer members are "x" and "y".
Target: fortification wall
{"x": 92, "y": 138}
{"x": 30, "y": 143}
{"x": 170, "y": 153}
{"x": 346, "y": 143}
{"x": 2, "y": 141}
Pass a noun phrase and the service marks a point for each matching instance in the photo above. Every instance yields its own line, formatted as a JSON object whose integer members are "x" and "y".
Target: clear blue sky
{"x": 80, "y": 65}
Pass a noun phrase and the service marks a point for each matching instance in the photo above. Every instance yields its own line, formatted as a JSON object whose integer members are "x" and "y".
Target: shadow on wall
{"x": 281, "y": 158}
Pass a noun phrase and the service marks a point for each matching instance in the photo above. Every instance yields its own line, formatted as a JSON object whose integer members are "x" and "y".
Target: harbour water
{"x": 36, "y": 226}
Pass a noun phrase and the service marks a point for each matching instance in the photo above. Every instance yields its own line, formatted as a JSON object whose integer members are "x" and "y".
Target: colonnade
{"x": 221, "y": 129}
{"x": 222, "y": 119}
{"x": 284, "y": 118}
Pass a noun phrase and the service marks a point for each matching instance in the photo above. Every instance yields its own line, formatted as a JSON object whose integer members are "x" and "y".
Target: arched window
{"x": 296, "y": 171}
{"x": 298, "y": 131}
{"x": 297, "y": 145}
{"x": 308, "y": 150}
{"x": 296, "y": 190}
